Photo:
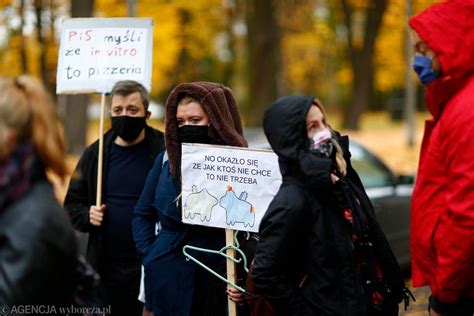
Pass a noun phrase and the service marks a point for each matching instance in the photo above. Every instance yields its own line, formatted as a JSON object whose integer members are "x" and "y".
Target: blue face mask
{"x": 422, "y": 67}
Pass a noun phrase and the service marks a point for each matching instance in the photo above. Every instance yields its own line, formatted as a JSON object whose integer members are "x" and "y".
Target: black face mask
{"x": 128, "y": 127}
{"x": 194, "y": 134}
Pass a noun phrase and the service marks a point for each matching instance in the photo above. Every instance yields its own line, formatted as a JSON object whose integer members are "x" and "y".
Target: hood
{"x": 284, "y": 124}
{"x": 219, "y": 104}
{"x": 448, "y": 30}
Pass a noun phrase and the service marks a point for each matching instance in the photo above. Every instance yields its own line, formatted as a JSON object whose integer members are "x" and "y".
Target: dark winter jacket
{"x": 305, "y": 262}
{"x": 175, "y": 286}
{"x": 170, "y": 279}
{"x": 37, "y": 250}
{"x": 83, "y": 188}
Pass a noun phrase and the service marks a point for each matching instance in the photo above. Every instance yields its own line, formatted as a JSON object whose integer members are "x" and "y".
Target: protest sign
{"x": 94, "y": 53}
{"x": 227, "y": 187}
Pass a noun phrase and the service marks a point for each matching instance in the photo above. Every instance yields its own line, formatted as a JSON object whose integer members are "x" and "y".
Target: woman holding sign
{"x": 321, "y": 251}
{"x": 199, "y": 112}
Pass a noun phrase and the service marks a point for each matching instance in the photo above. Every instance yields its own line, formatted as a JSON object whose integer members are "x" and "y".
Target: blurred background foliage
{"x": 351, "y": 54}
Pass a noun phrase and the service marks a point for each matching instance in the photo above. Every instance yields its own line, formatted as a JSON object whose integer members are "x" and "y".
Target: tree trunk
{"x": 410, "y": 85}
{"x": 263, "y": 49}
{"x": 361, "y": 58}
{"x": 23, "y": 57}
{"x": 74, "y": 112}
{"x": 82, "y": 8}
{"x": 362, "y": 89}
{"x": 38, "y": 4}
{"x": 132, "y": 8}
{"x": 51, "y": 40}
{"x": 229, "y": 65}
{"x": 184, "y": 58}
{"x": 74, "y": 107}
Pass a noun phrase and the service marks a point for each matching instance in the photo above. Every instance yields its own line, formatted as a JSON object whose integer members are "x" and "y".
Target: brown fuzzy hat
{"x": 219, "y": 104}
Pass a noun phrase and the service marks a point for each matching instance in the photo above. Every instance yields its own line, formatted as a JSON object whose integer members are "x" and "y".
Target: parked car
{"x": 391, "y": 196}
{"x": 389, "y": 192}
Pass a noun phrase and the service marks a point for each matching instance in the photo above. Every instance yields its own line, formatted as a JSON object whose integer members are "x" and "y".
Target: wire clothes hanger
{"x": 222, "y": 253}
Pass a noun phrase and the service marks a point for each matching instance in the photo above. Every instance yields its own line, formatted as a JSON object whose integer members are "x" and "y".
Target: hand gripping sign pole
{"x": 242, "y": 259}
{"x": 235, "y": 248}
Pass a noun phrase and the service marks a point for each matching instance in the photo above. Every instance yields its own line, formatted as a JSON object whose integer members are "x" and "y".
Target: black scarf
{"x": 377, "y": 292}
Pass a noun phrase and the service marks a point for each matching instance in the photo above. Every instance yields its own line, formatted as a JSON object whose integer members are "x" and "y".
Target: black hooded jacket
{"x": 304, "y": 264}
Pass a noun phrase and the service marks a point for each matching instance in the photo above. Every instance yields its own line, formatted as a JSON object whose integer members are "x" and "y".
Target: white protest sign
{"x": 227, "y": 187}
{"x": 94, "y": 53}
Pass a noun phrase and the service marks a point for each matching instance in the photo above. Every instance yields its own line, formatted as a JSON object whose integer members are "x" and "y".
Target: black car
{"x": 390, "y": 193}
{"x": 391, "y": 196}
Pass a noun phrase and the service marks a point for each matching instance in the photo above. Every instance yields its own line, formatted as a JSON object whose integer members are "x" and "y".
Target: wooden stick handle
{"x": 229, "y": 240}
{"x": 98, "y": 200}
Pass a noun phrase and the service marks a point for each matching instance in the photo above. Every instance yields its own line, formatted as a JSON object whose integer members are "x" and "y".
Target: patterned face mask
{"x": 320, "y": 144}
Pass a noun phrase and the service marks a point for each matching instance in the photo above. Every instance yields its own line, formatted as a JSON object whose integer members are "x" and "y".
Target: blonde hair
{"x": 28, "y": 110}
{"x": 340, "y": 161}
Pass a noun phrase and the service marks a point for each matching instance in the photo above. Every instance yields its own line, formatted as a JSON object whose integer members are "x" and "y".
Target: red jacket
{"x": 442, "y": 217}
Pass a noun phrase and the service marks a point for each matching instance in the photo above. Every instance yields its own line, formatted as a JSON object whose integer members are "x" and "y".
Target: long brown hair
{"x": 28, "y": 110}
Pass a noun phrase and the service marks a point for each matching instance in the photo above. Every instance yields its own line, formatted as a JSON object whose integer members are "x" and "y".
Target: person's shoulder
{"x": 342, "y": 139}
{"x": 291, "y": 197}
{"x": 459, "y": 111}
{"x": 289, "y": 205}
{"x": 38, "y": 214}
{"x": 41, "y": 240}
{"x": 161, "y": 164}
{"x": 154, "y": 132}
{"x": 93, "y": 149}
{"x": 162, "y": 159}
{"x": 155, "y": 140}
{"x": 463, "y": 101}
{"x": 43, "y": 201}
{"x": 469, "y": 86}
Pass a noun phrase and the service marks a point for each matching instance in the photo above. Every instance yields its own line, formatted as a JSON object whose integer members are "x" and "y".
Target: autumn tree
{"x": 22, "y": 48}
{"x": 309, "y": 51}
{"x": 13, "y": 44}
{"x": 75, "y": 106}
{"x": 263, "y": 57}
{"x": 361, "y": 53}
{"x": 38, "y": 9}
